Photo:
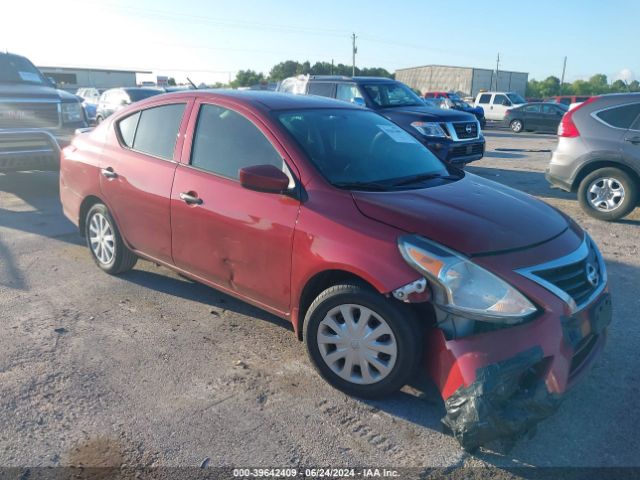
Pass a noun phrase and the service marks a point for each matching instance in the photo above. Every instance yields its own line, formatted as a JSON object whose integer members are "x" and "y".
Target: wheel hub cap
{"x": 101, "y": 238}
{"x": 357, "y": 344}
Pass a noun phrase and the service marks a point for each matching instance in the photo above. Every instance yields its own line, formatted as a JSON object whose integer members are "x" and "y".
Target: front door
{"x": 499, "y": 105}
{"x": 137, "y": 175}
{"x": 238, "y": 239}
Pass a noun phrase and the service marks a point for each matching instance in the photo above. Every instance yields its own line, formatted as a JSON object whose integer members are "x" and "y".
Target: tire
{"x": 516, "y": 126}
{"x": 99, "y": 120}
{"x": 393, "y": 327}
{"x": 608, "y": 194}
{"x": 105, "y": 242}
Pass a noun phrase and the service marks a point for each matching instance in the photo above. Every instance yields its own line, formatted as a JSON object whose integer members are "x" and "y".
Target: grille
{"x": 573, "y": 278}
{"x": 465, "y": 150}
{"x": 461, "y": 130}
{"x": 29, "y": 115}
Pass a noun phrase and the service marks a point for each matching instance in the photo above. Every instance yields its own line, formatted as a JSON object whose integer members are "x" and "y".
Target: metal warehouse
{"x": 68, "y": 78}
{"x": 467, "y": 80}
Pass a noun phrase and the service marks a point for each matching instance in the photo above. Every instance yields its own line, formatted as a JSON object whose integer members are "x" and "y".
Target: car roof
{"x": 338, "y": 78}
{"x": 265, "y": 99}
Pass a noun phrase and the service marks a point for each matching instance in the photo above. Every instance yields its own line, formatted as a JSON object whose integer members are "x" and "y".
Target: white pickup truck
{"x": 496, "y": 104}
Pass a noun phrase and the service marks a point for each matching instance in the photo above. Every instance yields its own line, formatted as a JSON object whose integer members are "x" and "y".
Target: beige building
{"x": 71, "y": 79}
{"x": 466, "y": 80}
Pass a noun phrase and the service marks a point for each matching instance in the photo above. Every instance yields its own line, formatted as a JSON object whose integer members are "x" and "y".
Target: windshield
{"x": 515, "y": 98}
{"x": 18, "y": 70}
{"x": 137, "y": 95}
{"x": 392, "y": 95}
{"x": 359, "y": 147}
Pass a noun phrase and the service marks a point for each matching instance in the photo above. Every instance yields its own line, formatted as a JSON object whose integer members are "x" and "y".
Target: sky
{"x": 210, "y": 41}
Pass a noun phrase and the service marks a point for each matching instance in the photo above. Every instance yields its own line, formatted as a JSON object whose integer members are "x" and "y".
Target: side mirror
{"x": 359, "y": 101}
{"x": 52, "y": 82}
{"x": 264, "y": 178}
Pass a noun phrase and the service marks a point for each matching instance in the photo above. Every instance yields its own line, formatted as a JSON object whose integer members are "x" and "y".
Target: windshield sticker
{"x": 397, "y": 134}
{"x": 29, "y": 77}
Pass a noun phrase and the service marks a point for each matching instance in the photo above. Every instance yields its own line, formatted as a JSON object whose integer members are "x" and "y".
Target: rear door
{"x": 139, "y": 164}
{"x": 530, "y": 116}
{"x": 237, "y": 239}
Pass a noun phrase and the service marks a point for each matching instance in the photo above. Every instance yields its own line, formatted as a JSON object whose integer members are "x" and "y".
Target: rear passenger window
{"x": 532, "y": 109}
{"x": 321, "y": 88}
{"x": 620, "y": 117}
{"x": 226, "y": 141}
{"x": 157, "y": 130}
{"x": 127, "y": 128}
{"x": 486, "y": 98}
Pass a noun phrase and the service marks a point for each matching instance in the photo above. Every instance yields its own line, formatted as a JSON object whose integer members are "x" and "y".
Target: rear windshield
{"x": 19, "y": 70}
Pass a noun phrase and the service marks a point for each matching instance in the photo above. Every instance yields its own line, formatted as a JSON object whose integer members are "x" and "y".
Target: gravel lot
{"x": 152, "y": 369}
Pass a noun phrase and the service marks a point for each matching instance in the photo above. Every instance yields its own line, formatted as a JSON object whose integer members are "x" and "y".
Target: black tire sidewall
{"x": 627, "y": 205}
{"x": 401, "y": 321}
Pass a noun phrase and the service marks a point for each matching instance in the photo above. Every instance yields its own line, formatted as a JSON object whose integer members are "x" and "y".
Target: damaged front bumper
{"x": 499, "y": 385}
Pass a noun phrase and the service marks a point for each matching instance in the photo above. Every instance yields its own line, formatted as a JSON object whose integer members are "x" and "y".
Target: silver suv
{"x": 598, "y": 155}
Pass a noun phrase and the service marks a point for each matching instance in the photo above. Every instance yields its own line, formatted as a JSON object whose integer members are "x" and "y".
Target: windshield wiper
{"x": 371, "y": 186}
{"x": 422, "y": 178}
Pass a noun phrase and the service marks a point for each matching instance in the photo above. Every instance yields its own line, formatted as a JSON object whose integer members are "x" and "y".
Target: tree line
{"x": 596, "y": 85}
{"x": 291, "y": 68}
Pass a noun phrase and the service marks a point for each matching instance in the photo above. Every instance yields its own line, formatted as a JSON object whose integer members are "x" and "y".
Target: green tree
{"x": 284, "y": 70}
{"x": 171, "y": 82}
{"x": 246, "y": 78}
{"x": 599, "y": 84}
{"x": 618, "y": 87}
{"x": 580, "y": 87}
{"x": 550, "y": 87}
{"x": 634, "y": 86}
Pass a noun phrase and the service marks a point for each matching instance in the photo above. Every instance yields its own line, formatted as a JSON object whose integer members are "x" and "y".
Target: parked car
{"x": 385, "y": 259}
{"x": 568, "y": 100}
{"x": 90, "y": 97}
{"x": 455, "y": 103}
{"x": 36, "y": 119}
{"x": 114, "y": 99}
{"x": 535, "y": 117}
{"x": 455, "y": 137}
{"x": 598, "y": 155}
{"x": 496, "y": 104}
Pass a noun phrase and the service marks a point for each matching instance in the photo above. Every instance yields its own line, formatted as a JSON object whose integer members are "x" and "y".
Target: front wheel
{"x": 516, "y": 126}
{"x": 105, "y": 242}
{"x": 361, "y": 342}
{"x": 608, "y": 194}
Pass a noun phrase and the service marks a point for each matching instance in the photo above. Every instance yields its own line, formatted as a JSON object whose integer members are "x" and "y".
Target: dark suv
{"x": 453, "y": 136}
{"x": 36, "y": 119}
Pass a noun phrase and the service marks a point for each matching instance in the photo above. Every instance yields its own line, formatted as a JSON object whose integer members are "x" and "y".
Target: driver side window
{"x": 226, "y": 141}
{"x": 499, "y": 99}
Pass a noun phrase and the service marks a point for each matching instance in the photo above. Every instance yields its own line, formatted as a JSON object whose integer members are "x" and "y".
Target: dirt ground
{"x": 152, "y": 369}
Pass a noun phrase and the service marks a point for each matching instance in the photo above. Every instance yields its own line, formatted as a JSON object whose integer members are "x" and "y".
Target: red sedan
{"x": 384, "y": 259}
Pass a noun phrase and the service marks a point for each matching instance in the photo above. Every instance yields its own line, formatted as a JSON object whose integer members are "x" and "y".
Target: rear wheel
{"x": 516, "y": 125}
{"x": 608, "y": 194}
{"x": 105, "y": 242}
{"x": 99, "y": 120}
{"x": 361, "y": 342}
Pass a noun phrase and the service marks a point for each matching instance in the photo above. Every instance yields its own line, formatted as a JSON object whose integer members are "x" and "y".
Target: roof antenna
{"x": 192, "y": 84}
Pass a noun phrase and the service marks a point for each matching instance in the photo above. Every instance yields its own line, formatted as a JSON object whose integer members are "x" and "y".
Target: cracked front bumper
{"x": 498, "y": 385}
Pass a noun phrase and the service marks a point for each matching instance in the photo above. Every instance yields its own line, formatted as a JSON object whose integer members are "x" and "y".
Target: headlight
{"x": 429, "y": 129}
{"x": 72, "y": 112}
{"x": 462, "y": 287}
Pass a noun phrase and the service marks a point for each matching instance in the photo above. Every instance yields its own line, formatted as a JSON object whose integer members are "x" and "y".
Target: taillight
{"x": 567, "y": 127}
{"x": 507, "y": 111}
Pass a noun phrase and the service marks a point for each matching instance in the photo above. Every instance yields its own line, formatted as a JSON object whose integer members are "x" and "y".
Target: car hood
{"x": 35, "y": 92}
{"x": 472, "y": 215}
{"x": 406, "y": 115}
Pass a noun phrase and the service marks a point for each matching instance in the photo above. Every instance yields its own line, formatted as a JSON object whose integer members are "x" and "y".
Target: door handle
{"x": 109, "y": 173}
{"x": 190, "y": 199}
{"x": 634, "y": 140}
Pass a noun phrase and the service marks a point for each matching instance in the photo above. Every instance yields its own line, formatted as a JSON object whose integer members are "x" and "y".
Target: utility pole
{"x": 564, "y": 68}
{"x": 497, "y": 69}
{"x": 332, "y": 66}
{"x": 354, "y": 50}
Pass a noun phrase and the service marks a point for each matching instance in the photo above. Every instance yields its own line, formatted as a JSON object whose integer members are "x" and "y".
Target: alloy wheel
{"x": 605, "y": 194}
{"x": 357, "y": 344}
{"x": 101, "y": 238}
